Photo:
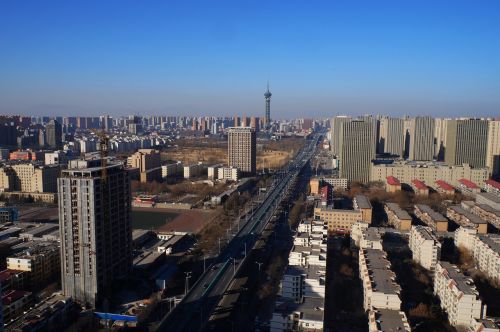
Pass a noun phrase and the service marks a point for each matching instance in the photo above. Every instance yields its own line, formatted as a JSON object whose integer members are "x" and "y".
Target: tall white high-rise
{"x": 466, "y": 141}
{"x": 392, "y": 136}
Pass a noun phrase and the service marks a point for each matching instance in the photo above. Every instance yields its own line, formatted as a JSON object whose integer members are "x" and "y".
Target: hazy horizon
{"x": 322, "y": 59}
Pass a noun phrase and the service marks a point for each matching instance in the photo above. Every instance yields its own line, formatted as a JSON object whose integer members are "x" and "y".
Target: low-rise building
{"x": 466, "y": 219}
{"x": 371, "y": 238}
{"x": 228, "y": 173}
{"x": 194, "y": 170}
{"x": 41, "y": 261}
{"x": 384, "y": 320}
{"x": 487, "y": 213}
{"x": 492, "y": 186}
{"x": 419, "y": 188}
{"x": 444, "y": 188}
{"x": 14, "y": 303}
{"x": 380, "y": 290}
{"x": 425, "y": 248}
{"x": 485, "y": 325}
{"x": 468, "y": 187}
{"x": 362, "y": 203}
{"x": 336, "y": 183}
{"x": 458, "y": 295}
{"x": 431, "y": 218}
{"x": 490, "y": 199}
{"x": 392, "y": 184}
{"x": 291, "y": 316}
{"x": 397, "y": 217}
{"x": 172, "y": 170}
{"x": 338, "y": 220}
{"x": 357, "y": 230}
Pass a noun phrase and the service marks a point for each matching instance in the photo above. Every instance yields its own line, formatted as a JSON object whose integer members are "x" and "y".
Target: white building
{"x": 425, "y": 248}
{"x": 228, "y": 173}
{"x": 387, "y": 320}
{"x": 458, "y": 295}
{"x": 380, "y": 290}
{"x": 171, "y": 170}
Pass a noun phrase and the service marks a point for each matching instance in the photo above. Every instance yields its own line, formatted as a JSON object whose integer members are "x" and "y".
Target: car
{"x": 215, "y": 267}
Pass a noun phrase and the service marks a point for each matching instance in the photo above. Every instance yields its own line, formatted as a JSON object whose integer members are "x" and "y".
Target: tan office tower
{"x": 421, "y": 138}
{"x": 493, "y": 148}
{"x": 391, "y": 138}
{"x": 241, "y": 149}
{"x": 335, "y": 124}
{"x": 95, "y": 229}
{"x": 466, "y": 142}
{"x": 357, "y": 150}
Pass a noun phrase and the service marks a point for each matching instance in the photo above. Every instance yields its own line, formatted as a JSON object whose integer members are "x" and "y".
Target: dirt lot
{"x": 170, "y": 219}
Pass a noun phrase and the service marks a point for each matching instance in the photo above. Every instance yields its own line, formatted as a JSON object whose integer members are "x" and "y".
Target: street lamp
{"x": 259, "y": 264}
{"x": 188, "y": 276}
{"x": 234, "y": 265}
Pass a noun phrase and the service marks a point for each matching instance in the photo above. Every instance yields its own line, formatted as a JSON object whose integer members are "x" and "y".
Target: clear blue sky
{"x": 214, "y": 57}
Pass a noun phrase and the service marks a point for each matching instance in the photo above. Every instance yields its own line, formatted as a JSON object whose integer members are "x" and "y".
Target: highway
{"x": 196, "y": 306}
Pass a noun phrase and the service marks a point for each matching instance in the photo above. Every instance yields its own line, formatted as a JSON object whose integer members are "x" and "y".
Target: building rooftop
{"x": 468, "y": 183}
{"x": 491, "y": 197}
{"x": 493, "y": 183}
{"x": 426, "y": 233}
{"x": 311, "y": 308}
{"x": 12, "y": 296}
{"x": 488, "y": 208}
{"x": 436, "y": 216}
{"x": 470, "y": 216}
{"x": 418, "y": 184}
{"x": 492, "y": 241}
{"x": 390, "y": 320}
{"x": 381, "y": 276}
{"x": 393, "y": 181}
{"x": 6, "y": 274}
{"x": 444, "y": 185}
{"x": 398, "y": 211}
{"x": 464, "y": 284}
{"x": 362, "y": 202}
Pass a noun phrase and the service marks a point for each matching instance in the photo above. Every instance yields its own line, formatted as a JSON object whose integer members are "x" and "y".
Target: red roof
{"x": 445, "y": 185}
{"x": 393, "y": 181}
{"x": 468, "y": 184}
{"x": 6, "y": 274}
{"x": 12, "y": 296}
{"x": 419, "y": 184}
{"x": 493, "y": 183}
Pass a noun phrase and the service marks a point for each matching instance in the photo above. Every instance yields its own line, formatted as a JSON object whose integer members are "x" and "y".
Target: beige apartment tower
{"x": 422, "y": 138}
{"x": 241, "y": 149}
{"x": 493, "y": 148}
{"x": 466, "y": 142}
{"x": 357, "y": 150}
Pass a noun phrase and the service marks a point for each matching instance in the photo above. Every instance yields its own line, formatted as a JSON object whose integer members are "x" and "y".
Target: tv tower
{"x": 267, "y": 96}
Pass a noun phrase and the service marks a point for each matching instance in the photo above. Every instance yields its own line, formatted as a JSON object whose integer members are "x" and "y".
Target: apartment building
{"x": 371, "y": 238}
{"x": 431, "y": 218}
{"x": 493, "y": 148}
{"x": 485, "y": 212}
{"x": 357, "y": 230}
{"x": 492, "y": 186}
{"x": 380, "y": 290}
{"x": 466, "y": 219}
{"x": 458, "y": 295}
{"x": 444, "y": 187}
{"x": 392, "y": 184}
{"x": 362, "y": 203}
{"x": 337, "y": 220}
{"x": 397, "y": 217}
{"x": 191, "y": 171}
{"x": 148, "y": 161}
{"x": 29, "y": 177}
{"x": 425, "y": 248}
{"x": 300, "y": 304}
{"x": 419, "y": 188}
{"x": 421, "y": 138}
{"x": 228, "y": 173}
{"x": 466, "y": 142}
{"x": 468, "y": 187}
{"x": 490, "y": 199}
{"x": 172, "y": 170}
{"x": 485, "y": 248}
{"x": 242, "y": 149}
{"x": 428, "y": 172}
{"x": 41, "y": 262}
{"x": 95, "y": 226}
{"x": 384, "y": 320}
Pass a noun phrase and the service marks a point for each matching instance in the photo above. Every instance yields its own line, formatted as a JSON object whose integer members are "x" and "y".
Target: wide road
{"x": 196, "y": 306}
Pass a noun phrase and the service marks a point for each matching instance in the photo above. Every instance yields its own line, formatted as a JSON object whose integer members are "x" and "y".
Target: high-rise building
{"x": 254, "y": 123}
{"x": 267, "y": 96}
{"x": 466, "y": 142}
{"x": 148, "y": 161}
{"x": 357, "y": 150}
{"x": 391, "y": 138}
{"x": 53, "y": 134}
{"x": 422, "y": 138}
{"x": 241, "y": 151}
{"x": 335, "y": 124}
{"x": 440, "y": 130}
{"x": 493, "y": 148}
{"x": 95, "y": 228}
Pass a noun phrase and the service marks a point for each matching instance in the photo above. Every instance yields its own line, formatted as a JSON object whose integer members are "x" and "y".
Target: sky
{"x": 321, "y": 58}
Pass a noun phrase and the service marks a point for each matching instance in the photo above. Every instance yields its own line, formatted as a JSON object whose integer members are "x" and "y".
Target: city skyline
{"x": 194, "y": 59}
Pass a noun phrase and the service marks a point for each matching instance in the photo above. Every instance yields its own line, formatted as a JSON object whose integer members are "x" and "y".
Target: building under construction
{"x": 95, "y": 226}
